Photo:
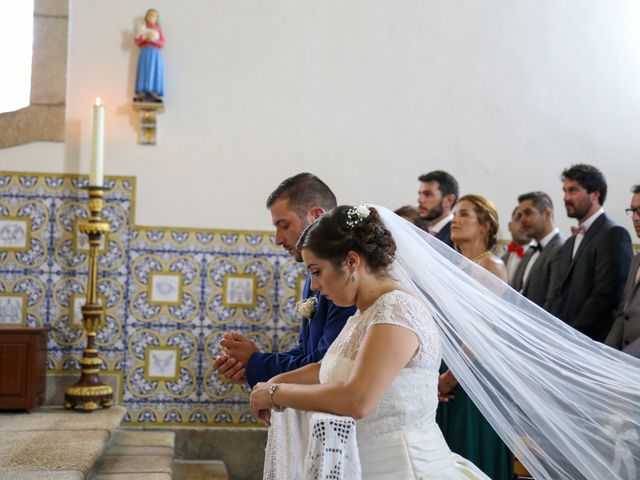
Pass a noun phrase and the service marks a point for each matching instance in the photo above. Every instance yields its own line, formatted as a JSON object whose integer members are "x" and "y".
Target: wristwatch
{"x": 273, "y": 388}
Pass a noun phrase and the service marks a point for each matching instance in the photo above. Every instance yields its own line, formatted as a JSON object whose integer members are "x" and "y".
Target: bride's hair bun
{"x": 341, "y": 230}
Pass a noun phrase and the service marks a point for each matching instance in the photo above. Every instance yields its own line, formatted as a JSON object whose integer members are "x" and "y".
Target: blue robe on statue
{"x": 315, "y": 338}
{"x": 150, "y": 73}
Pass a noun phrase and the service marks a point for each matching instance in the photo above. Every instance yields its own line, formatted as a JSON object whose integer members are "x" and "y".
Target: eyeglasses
{"x": 631, "y": 211}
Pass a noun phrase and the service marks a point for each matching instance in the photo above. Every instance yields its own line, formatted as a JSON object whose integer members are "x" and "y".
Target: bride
{"x": 383, "y": 367}
{"x": 566, "y": 406}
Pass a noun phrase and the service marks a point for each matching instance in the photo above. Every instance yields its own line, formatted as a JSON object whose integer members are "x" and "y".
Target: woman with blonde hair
{"x": 474, "y": 231}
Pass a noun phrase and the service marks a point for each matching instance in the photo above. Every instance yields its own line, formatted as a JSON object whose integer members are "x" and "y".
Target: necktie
{"x": 517, "y": 249}
{"x": 536, "y": 248}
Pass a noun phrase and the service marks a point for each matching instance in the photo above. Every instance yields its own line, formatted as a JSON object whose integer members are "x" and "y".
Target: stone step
{"x": 56, "y": 444}
{"x": 144, "y": 438}
{"x": 199, "y": 470}
{"x": 42, "y": 475}
{"x": 137, "y": 455}
{"x": 131, "y": 464}
{"x": 53, "y": 443}
{"x": 134, "y": 476}
{"x": 241, "y": 449}
{"x": 140, "y": 450}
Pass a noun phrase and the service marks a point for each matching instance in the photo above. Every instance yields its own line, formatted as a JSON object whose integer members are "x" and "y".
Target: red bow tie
{"x": 577, "y": 230}
{"x": 517, "y": 249}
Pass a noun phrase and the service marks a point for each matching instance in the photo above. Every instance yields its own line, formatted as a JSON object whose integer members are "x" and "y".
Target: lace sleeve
{"x": 405, "y": 310}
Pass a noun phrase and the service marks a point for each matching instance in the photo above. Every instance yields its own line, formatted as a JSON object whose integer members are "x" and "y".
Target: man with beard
{"x": 437, "y": 195}
{"x": 535, "y": 210}
{"x": 517, "y": 251}
{"x": 590, "y": 270}
{"x": 625, "y": 334}
{"x": 296, "y": 203}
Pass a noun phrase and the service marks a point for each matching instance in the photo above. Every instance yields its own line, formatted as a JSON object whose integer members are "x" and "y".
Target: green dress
{"x": 468, "y": 434}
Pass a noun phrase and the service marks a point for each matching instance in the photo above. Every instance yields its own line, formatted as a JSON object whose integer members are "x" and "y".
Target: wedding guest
{"x": 437, "y": 195}
{"x": 625, "y": 333}
{"x": 535, "y": 210}
{"x": 590, "y": 270}
{"x": 411, "y": 214}
{"x": 474, "y": 230}
{"x": 516, "y": 249}
{"x": 296, "y": 203}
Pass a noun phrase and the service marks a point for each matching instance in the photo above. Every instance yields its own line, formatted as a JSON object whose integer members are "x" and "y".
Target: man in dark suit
{"x": 516, "y": 251}
{"x": 535, "y": 210}
{"x": 625, "y": 333}
{"x": 590, "y": 270}
{"x": 296, "y": 203}
{"x": 437, "y": 195}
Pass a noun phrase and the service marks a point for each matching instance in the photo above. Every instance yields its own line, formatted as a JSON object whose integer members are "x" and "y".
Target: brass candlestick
{"x": 89, "y": 391}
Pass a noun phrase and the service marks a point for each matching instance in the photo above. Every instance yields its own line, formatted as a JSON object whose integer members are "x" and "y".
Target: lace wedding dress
{"x": 400, "y": 439}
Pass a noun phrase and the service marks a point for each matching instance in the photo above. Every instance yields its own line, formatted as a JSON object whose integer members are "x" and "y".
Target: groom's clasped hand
{"x": 236, "y": 351}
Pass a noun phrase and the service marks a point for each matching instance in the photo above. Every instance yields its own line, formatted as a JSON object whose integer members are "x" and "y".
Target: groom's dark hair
{"x": 304, "y": 191}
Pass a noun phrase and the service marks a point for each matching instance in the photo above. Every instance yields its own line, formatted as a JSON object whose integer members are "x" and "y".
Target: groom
{"x": 296, "y": 203}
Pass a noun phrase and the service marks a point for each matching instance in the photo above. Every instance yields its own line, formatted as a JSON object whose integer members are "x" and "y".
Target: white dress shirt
{"x": 514, "y": 260}
{"x": 544, "y": 242}
{"x": 436, "y": 227}
{"x": 586, "y": 224}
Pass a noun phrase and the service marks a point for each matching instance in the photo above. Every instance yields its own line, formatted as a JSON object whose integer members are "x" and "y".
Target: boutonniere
{"x": 306, "y": 308}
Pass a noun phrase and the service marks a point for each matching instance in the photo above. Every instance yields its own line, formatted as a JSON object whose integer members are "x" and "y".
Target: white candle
{"x": 96, "y": 174}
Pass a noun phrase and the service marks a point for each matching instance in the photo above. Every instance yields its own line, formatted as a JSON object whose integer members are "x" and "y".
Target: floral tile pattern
{"x": 168, "y": 294}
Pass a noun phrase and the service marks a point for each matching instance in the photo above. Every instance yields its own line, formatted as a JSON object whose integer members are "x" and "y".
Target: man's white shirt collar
{"x": 589, "y": 221}
{"x": 586, "y": 224}
{"x": 436, "y": 227}
{"x": 545, "y": 241}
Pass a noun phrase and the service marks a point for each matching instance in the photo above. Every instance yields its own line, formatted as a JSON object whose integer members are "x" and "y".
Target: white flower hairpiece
{"x": 356, "y": 214}
{"x": 306, "y": 308}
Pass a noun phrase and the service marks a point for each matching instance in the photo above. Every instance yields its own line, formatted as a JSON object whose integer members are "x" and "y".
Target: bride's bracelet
{"x": 273, "y": 389}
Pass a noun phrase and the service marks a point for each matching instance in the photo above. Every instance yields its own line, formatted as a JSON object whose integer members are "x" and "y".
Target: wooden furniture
{"x": 23, "y": 359}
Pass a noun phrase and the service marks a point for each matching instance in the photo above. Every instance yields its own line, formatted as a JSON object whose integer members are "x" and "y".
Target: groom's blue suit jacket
{"x": 315, "y": 337}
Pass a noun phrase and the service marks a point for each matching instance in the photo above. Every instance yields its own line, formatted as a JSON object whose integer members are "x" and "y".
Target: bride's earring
{"x": 353, "y": 272}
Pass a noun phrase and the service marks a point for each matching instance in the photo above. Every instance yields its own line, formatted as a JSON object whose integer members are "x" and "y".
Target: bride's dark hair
{"x": 336, "y": 233}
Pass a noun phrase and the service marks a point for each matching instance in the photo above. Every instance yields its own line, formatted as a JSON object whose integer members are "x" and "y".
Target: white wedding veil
{"x": 567, "y": 406}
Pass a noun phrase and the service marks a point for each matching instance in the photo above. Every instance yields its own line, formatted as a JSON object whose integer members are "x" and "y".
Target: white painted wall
{"x": 367, "y": 94}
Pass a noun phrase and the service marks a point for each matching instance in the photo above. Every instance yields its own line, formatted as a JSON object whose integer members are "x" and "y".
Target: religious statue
{"x": 150, "y": 72}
